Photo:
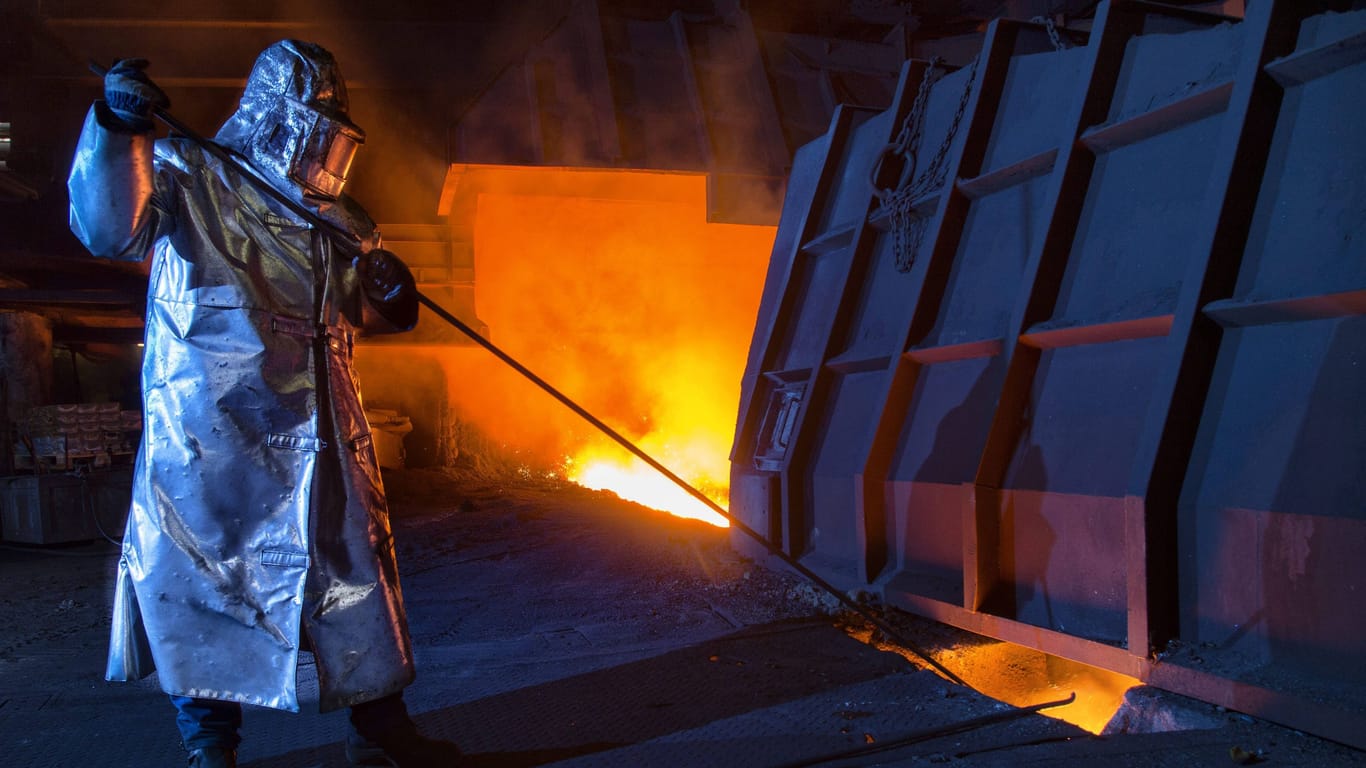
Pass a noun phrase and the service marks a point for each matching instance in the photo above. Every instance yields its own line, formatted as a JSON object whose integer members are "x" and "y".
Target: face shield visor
{"x": 307, "y": 147}
{"x": 324, "y": 156}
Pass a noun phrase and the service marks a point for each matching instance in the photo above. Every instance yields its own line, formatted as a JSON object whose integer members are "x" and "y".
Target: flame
{"x": 612, "y": 286}
{"x": 610, "y": 468}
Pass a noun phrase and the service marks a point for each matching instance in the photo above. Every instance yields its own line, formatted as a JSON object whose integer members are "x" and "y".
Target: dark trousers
{"x": 210, "y": 723}
{"x": 207, "y": 723}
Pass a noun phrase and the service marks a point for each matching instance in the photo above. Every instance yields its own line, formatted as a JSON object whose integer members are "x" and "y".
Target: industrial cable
{"x": 346, "y": 242}
{"x": 88, "y": 503}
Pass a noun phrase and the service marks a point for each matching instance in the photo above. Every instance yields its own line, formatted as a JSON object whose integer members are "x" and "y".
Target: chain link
{"x": 1052, "y": 30}
{"x": 908, "y": 139}
{"x": 933, "y": 176}
{"x": 908, "y": 229}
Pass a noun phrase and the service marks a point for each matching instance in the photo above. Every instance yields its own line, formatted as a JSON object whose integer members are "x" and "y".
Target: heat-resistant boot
{"x": 401, "y": 748}
{"x": 213, "y": 757}
{"x": 385, "y": 736}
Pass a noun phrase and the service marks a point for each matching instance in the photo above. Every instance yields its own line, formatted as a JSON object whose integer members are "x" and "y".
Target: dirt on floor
{"x": 510, "y": 565}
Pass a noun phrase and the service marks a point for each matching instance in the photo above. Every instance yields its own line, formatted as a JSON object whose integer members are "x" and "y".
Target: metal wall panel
{"x": 767, "y": 403}
{"x": 817, "y": 265}
{"x": 1098, "y": 391}
{"x": 955, "y": 368}
{"x": 1273, "y": 521}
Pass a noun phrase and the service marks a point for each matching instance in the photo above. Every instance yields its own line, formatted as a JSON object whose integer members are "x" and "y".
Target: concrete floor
{"x": 558, "y": 626}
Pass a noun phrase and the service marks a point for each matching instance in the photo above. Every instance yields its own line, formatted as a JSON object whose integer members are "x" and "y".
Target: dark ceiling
{"x": 413, "y": 67}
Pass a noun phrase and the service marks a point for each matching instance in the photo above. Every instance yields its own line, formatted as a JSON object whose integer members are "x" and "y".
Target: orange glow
{"x": 614, "y": 288}
{"x": 612, "y": 469}
{"x": 1023, "y": 677}
{"x": 1099, "y": 692}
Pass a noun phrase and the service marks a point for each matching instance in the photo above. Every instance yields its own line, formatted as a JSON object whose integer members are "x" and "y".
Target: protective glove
{"x": 131, "y": 95}
{"x": 391, "y": 290}
{"x": 383, "y": 276}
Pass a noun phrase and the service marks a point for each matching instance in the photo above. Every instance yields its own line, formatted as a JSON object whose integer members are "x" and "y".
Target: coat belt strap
{"x": 292, "y": 326}
{"x": 338, "y": 338}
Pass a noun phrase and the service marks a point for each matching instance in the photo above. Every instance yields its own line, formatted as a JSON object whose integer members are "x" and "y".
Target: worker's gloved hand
{"x": 383, "y": 276}
{"x": 131, "y": 95}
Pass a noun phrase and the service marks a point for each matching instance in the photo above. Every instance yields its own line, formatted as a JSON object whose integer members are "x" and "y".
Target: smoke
{"x": 412, "y": 69}
{"x": 629, "y": 303}
{"x": 625, "y": 299}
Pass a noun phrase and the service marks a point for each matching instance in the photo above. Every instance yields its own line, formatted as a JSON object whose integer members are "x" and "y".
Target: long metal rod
{"x": 932, "y": 733}
{"x": 891, "y": 632}
{"x": 344, "y": 240}
{"x": 338, "y": 235}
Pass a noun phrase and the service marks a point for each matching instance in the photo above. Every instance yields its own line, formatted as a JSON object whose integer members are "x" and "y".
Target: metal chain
{"x": 908, "y": 229}
{"x": 908, "y": 139}
{"x": 933, "y": 176}
{"x": 898, "y": 202}
{"x": 1052, "y": 30}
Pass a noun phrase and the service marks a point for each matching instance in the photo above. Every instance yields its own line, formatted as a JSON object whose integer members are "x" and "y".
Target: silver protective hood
{"x": 258, "y": 518}
{"x": 292, "y": 124}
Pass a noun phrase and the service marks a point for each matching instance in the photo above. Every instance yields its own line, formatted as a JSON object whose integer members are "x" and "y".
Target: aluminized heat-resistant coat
{"x": 257, "y": 509}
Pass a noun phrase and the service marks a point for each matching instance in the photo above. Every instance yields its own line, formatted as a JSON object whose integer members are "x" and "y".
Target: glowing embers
{"x": 1023, "y": 677}
{"x": 613, "y": 287}
{"x": 611, "y": 468}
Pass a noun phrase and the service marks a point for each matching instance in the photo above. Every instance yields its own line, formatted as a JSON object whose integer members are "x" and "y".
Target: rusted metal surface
{"x": 1107, "y": 404}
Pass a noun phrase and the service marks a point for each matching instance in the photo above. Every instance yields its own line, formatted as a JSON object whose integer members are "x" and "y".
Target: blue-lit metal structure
{"x": 1077, "y": 362}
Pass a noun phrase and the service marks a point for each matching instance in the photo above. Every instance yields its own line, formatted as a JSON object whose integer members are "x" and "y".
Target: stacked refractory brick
{"x": 69, "y": 435}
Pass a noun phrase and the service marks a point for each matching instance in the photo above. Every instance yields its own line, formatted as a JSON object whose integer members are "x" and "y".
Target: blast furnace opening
{"x": 614, "y": 287}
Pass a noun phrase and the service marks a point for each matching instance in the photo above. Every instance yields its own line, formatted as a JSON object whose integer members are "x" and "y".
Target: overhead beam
{"x": 89, "y": 334}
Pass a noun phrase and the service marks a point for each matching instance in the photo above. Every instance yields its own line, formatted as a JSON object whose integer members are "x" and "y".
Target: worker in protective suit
{"x": 258, "y": 522}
